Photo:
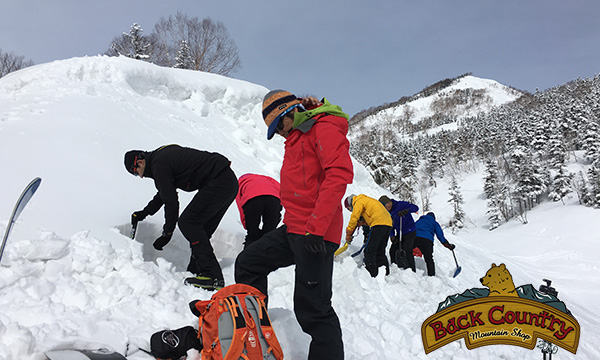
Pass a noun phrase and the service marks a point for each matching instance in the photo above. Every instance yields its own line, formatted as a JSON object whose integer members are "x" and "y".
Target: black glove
{"x": 394, "y": 239}
{"x": 138, "y": 216}
{"x": 314, "y": 243}
{"x": 449, "y": 246}
{"x": 403, "y": 212}
{"x": 162, "y": 241}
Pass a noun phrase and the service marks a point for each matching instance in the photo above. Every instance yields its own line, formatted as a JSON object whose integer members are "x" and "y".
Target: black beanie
{"x": 130, "y": 158}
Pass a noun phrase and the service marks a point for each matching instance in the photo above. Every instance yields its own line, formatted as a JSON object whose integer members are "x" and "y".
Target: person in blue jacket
{"x": 403, "y": 231}
{"x": 427, "y": 228}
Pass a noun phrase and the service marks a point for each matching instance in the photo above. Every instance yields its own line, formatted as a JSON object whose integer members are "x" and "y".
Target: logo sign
{"x": 501, "y": 314}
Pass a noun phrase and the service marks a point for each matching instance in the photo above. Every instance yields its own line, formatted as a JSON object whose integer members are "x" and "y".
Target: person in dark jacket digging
{"x": 403, "y": 231}
{"x": 174, "y": 167}
{"x": 427, "y": 228}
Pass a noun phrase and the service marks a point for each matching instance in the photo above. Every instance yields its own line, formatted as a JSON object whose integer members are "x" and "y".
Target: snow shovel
{"x": 341, "y": 249}
{"x": 458, "y": 268}
{"x": 345, "y": 246}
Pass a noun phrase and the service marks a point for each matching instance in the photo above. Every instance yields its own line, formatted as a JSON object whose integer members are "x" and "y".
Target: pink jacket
{"x": 251, "y": 186}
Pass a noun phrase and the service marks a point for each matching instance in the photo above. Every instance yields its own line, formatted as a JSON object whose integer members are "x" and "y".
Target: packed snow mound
{"x": 118, "y": 104}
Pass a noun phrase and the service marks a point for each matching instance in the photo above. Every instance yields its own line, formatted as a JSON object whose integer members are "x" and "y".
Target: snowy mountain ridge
{"x": 465, "y": 96}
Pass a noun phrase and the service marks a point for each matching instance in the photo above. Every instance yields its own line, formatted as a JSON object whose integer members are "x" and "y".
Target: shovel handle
{"x": 133, "y": 230}
{"x": 456, "y": 262}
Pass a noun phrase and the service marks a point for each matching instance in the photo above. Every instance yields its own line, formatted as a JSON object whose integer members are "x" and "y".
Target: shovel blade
{"x": 457, "y": 271}
{"x": 341, "y": 249}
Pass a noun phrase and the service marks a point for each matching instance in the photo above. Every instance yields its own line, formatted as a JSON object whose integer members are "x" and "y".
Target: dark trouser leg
{"x": 407, "y": 245}
{"x": 267, "y": 254}
{"x": 382, "y": 260}
{"x": 426, "y": 247}
{"x": 271, "y": 214}
{"x": 375, "y": 250}
{"x": 393, "y": 250}
{"x": 266, "y": 208}
{"x": 200, "y": 219}
{"x": 253, "y": 209}
{"x": 366, "y": 229}
{"x": 312, "y": 300}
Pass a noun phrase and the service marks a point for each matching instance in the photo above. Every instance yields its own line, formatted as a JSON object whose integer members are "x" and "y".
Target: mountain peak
{"x": 444, "y": 102}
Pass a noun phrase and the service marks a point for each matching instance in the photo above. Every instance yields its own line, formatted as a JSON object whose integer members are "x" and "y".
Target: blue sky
{"x": 356, "y": 53}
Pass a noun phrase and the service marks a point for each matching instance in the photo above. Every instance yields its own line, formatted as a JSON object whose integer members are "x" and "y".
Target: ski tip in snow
{"x": 99, "y": 354}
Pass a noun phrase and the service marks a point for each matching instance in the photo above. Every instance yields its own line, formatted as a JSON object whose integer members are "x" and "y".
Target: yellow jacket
{"x": 371, "y": 210}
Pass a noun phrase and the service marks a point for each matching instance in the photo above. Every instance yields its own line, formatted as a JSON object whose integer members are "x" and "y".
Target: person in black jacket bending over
{"x": 174, "y": 167}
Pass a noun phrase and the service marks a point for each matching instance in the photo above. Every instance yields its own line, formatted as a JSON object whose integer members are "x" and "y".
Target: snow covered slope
{"x": 70, "y": 276}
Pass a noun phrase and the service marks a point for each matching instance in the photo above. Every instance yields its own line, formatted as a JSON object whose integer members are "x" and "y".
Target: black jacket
{"x": 175, "y": 167}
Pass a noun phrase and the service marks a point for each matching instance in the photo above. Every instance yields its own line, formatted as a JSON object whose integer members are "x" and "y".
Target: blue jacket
{"x": 408, "y": 224}
{"x": 427, "y": 227}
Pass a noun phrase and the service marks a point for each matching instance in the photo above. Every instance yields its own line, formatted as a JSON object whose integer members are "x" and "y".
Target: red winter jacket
{"x": 315, "y": 172}
{"x": 251, "y": 186}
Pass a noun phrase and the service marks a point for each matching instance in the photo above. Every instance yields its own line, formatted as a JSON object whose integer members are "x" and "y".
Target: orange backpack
{"x": 234, "y": 325}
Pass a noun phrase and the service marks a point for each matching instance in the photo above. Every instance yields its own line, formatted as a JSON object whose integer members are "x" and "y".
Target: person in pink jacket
{"x": 258, "y": 200}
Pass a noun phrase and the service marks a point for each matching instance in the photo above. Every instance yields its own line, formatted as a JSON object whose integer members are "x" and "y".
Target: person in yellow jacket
{"x": 376, "y": 216}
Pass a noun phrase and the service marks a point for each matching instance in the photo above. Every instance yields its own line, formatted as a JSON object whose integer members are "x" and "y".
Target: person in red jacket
{"x": 258, "y": 201}
{"x": 315, "y": 172}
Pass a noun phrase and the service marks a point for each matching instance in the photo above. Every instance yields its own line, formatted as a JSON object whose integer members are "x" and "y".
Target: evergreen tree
{"x": 456, "y": 199}
{"x": 496, "y": 194}
{"x": 581, "y": 187}
{"x": 594, "y": 179}
{"x": 561, "y": 185}
{"x": 590, "y": 138}
{"x": 184, "y": 59}
{"x": 434, "y": 162}
{"x": 561, "y": 182}
{"x": 131, "y": 44}
{"x": 408, "y": 162}
{"x": 140, "y": 45}
{"x": 529, "y": 181}
{"x": 541, "y": 134}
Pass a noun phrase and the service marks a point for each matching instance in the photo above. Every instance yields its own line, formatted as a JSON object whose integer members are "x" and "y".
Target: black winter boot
{"x": 205, "y": 282}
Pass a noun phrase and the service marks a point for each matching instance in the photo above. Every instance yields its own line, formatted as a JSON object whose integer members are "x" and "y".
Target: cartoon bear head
{"x": 499, "y": 281}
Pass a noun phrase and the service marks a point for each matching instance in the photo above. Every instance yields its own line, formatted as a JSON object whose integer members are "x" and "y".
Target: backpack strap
{"x": 240, "y": 332}
{"x": 252, "y": 340}
{"x": 267, "y": 330}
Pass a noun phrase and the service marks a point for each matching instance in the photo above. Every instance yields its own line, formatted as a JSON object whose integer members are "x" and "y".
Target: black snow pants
{"x": 426, "y": 247}
{"x": 265, "y": 208}
{"x": 375, "y": 249}
{"x": 312, "y": 285}
{"x": 201, "y": 218}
